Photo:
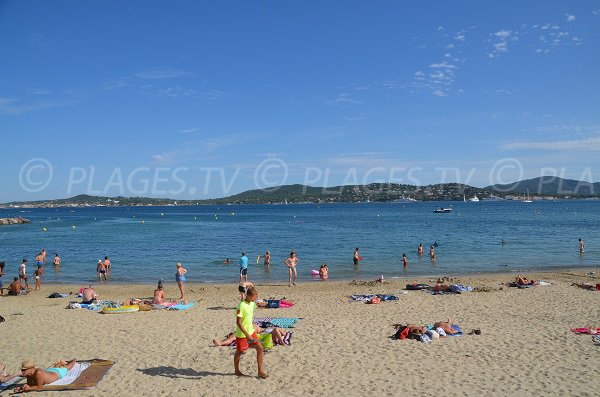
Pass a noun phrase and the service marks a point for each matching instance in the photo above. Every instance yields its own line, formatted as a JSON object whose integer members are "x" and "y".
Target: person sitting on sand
{"x": 88, "y": 296}
{"x": 243, "y": 289}
{"x": 524, "y": 281}
{"x": 159, "y": 295}
{"x": 324, "y": 272}
{"x": 38, "y": 377}
{"x": 15, "y": 288}
{"x": 275, "y": 332}
{"x": 446, "y": 327}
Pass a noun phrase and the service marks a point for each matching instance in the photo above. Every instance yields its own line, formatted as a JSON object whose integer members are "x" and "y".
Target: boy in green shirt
{"x": 243, "y": 338}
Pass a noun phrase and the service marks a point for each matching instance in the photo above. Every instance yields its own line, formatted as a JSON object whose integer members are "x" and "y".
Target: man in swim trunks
{"x": 15, "y": 288}
{"x": 243, "y": 268}
{"x": 101, "y": 269}
{"x": 39, "y": 259}
{"x": 38, "y": 277}
{"x": 356, "y": 256}
{"x": 43, "y": 253}
{"x": 88, "y": 296}
{"x": 38, "y": 377}
{"x": 23, "y": 273}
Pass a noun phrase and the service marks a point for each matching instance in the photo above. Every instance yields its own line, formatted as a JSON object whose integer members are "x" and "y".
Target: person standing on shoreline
{"x": 180, "y": 278}
{"x": 291, "y": 263}
{"x": 23, "y": 273}
{"x": 356, "y": 256}
{"x": 581, "y": 246}
{"x": 243, "y": 268}
{"x": 38, "y": 278}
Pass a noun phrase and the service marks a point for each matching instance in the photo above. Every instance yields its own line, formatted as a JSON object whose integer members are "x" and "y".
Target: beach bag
{"x": 266, "y": 340}
{"x": 374, "y": 300}
{"x": 401, "y": 333}
{"x": 272, "y": 304}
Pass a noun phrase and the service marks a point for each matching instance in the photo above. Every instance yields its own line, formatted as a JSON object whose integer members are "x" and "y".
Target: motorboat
{"x": 442, "y": 210}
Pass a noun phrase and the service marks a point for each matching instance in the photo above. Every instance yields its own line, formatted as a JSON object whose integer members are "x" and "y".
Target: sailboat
{"x": 527, "y": 199}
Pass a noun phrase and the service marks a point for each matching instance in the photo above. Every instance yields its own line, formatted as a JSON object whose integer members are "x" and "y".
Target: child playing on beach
{"x": 243, "y": 338}
{"x": 38, "y": 275}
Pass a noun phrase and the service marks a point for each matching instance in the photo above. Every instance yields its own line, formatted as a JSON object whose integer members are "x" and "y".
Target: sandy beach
{"x": 338, "y": 348}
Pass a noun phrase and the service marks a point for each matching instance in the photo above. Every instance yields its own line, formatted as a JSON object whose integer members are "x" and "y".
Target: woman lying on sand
{"x": 525, "y": 281}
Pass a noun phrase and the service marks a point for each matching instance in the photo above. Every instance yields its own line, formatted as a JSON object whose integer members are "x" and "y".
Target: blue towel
{"x": 181, "y": 306}
{"x": 457, "y": 329}
{"x": 280, "y": 322}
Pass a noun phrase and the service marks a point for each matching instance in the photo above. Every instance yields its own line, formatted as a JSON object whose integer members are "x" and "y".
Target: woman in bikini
{"x": 291, "y": 263}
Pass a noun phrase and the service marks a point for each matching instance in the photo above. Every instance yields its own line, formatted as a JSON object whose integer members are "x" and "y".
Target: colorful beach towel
{"x": 586, "y": 331}
{"x": 366, "y": 298}
{"x": 279, "y": 322}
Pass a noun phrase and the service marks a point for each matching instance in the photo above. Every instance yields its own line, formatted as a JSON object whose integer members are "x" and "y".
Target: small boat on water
{"x": 527, "y": 199}
{"x": 442, "y": 210}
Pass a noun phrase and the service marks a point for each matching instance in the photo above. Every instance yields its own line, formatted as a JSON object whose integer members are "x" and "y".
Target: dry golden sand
{"x": 339, "y": 348}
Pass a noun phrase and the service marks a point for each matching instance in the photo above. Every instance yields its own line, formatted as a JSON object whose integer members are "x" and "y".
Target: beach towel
{"x": 84, "y": 375}
{"x": 182, "y": 306}
{"x": 457, "y": 329}
{"x": 279, "y": 322}
{"x": 366, "y": 298}
{"x": 9, "y": 383}
{"x": 586, "y": 331}
{"x": 459, "y": 288}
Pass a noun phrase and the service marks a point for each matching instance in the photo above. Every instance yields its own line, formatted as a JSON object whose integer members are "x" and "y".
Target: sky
{"x": 198, "y": 99}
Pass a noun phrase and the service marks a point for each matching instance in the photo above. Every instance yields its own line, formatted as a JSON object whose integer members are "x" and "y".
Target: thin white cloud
{"x": 160, "y": 74}
{"x": 570, "y": 17}
{"x": 439, "y": 93}
{"x": 343, "y": 97}
{"x": 502, "y": 38}
{"x": 444, "y": 65}
{"x": 190, "y": 130}
{"x": 16, "y": 107}
{"x": 575, "y": 144}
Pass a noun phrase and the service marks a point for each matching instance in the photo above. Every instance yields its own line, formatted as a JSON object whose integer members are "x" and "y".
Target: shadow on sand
{"x": 185, "y": 373}
{"x": 220, "y": 308}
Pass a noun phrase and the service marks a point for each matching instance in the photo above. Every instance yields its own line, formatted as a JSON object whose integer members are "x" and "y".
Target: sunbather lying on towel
{"x": 445, "y": 326}
{"x": 276, "y": 333}
{"x": 525, "y": 281}
{"x": 38, "y": 377}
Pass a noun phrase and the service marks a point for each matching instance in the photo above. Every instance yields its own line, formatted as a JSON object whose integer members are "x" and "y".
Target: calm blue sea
{"x": 144, "y": 243}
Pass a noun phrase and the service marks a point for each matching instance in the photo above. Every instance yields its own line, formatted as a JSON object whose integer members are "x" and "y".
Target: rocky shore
{"x": 14, "y": 221}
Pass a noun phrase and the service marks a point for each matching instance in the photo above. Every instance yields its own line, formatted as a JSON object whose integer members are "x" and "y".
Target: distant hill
{"x": 375, "y": 192}
{"x": 549, "y": 186}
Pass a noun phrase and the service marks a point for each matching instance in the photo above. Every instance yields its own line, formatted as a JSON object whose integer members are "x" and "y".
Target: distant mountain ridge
{"x": 375, "y": 192}
{"x": 549, "y": 185}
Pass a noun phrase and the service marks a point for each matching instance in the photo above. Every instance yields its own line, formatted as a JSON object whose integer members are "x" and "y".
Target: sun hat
{"x": 27, "y": 364}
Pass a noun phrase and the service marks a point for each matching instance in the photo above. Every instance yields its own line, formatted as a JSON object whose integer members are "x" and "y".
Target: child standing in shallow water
{"x": 38, "y": 276}
{"x": 243, "y": 338}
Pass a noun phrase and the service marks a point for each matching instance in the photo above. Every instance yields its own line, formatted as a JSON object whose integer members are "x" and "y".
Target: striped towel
{"x": 279, "y": 322}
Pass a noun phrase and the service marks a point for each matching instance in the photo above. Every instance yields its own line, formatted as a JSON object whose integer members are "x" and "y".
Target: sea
{"x": 145, "y": 243}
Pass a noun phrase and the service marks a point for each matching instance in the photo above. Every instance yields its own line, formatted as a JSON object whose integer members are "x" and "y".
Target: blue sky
{"x": 205, "y": 99}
